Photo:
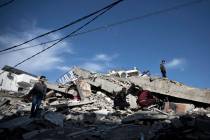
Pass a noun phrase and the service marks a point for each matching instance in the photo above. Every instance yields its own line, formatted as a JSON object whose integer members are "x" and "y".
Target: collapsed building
{"x": 15, "y": 80}
{"x": 81, "y": 106}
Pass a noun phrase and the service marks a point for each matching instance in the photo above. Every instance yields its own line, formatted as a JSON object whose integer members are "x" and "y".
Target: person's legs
{"x": 38, "y": 103}
{"x": 33, "y": 105}
{"x": 163, "y": 74}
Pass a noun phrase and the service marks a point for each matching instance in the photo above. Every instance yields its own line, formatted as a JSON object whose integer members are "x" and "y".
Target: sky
{"x": 181, "y": 37}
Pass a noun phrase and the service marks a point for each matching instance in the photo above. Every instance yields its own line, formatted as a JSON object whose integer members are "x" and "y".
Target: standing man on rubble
{"x": 38, "y": 93}
{"x": 162, "y": 68}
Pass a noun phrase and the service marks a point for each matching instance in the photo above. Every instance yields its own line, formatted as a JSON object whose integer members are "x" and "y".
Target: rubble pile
{"x": 86, "y": 108}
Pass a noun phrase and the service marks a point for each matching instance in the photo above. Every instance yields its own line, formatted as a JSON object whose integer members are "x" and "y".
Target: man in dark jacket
{"x": 38, "y": 93}
{"x": 120, "y": 100}
{"x": 162, "y": 68}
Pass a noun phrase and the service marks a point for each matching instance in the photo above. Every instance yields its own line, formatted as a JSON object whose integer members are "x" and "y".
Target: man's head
{"x": 42, "y": 78}
{"x": 163, "y": 61}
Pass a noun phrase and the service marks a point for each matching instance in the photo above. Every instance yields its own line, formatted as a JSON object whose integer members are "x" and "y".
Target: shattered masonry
{"x": 81, "y": 107}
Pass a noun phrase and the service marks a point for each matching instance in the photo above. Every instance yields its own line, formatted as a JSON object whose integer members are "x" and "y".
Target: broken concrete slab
{"x": 4, "y": 101}
{"x": 55, "y": 118}
{"x": 59, "y": 103}
{"x": 104, "y": 82}
{"x": 178, "y": 108}
{"x": 105, "y": 85}
{"x": 32, "y": 134}
{"x": 49, "y": 94}
{"x": 79, "y": 103}
{"x": 80, "y": 132}
{"x": 17, "y": 122}
{"x": 172, "y": 88}
{"x": 102, "y": 112}
{"x": 56, "y": 88}
{"x": 139, "y": 116}
{"x": 132, "y": 101}
{"x": 83, "y": 88}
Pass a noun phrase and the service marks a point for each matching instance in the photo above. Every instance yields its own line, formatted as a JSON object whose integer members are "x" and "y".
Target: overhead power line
{"x": 69, "y": 35}
{"x": 28, "y": 47}
{"x": 63, "y": 27}
{"x": 6, "y": 3}
{"x": 176, "y": 7}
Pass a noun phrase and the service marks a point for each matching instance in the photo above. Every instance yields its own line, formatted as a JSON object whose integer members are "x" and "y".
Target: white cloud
{"x": 100, "y": 63}
{"x": 48, "y": 60}
{"x": 91, "y": 66}
{"x": 102, "y": 57}
{"x": 176, "y": 63}
{"x": 63, "y": 68}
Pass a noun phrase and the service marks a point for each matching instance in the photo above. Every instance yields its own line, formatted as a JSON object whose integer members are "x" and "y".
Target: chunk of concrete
{"x": 172, "y": 88}
{"x": 132, "y": 101}
{"x": 17, "y": 122}
{"x": 178, "y": 108}
{"x": 140, "y": 116}
{"x": 80, "y": 103}
{"x": 55, "y": 118}
{"x": 4, "y": 101}
{"x": 32, "y": 134}
{"x": 83, "y": 88}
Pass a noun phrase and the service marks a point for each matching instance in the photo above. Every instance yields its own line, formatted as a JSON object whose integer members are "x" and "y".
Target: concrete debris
{"x": 86, "y": 105}
{"x": 30, "y": 135}
{"x": 16, "y": 122}
{"x": 83, "y": 88}
{"x": 131, "y": 99}
{"x": 172, "y": 88}
{"x": 54, "y": 118}
{"x": 178, "y": 108}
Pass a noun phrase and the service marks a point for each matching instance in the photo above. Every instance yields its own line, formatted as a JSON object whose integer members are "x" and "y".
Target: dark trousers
{"x": 36, "y": 102}
{"x": 163, "y": 73}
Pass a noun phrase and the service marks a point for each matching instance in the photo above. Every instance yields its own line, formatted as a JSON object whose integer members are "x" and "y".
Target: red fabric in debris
{"x": 145, "y": 98}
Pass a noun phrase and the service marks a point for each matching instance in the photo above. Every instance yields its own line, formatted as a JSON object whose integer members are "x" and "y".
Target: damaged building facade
{"x": 15, "y": 80}
{"x": 82, "y": 106}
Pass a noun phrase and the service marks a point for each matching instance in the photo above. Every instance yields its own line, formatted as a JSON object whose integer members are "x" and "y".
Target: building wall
{"x": 8, "y": 81}
{"x": 13, "y": 82}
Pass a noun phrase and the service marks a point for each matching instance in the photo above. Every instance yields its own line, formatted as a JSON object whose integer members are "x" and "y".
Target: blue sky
{"x": 181, "y": 37}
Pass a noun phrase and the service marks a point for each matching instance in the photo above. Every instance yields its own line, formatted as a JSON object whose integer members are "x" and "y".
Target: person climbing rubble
{"x": 38, "y": 93}
{"x": 145, "y": 98}
{"x": 120, "y": 100}
{"x": 163, "y": 69}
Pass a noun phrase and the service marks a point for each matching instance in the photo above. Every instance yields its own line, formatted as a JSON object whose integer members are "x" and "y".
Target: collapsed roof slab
{"x": 172, "y": 88}
{"x": 158, "y": 85}
{"x": 97, "y": 80}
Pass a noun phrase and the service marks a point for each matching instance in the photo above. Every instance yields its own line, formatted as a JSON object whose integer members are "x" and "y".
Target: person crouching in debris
{"x": 120, "y": 100}
{"x": 145, "y": 98}
{"x": 38, "y": 93}
{"x": 162, "y": 68}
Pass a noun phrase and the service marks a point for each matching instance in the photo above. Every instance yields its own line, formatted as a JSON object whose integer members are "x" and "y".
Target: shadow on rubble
{"x": 100, "y": 126}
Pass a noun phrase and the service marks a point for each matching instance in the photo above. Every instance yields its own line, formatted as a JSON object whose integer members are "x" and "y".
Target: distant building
{"x": 15, "y": 80}
{"x": 124, "y": 73}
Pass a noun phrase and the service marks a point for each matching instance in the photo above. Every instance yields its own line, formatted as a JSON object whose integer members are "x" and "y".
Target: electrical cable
{"x": 65, "y": 26}
{"x": 69, "y": 35}
{"x": 6, "y": 3}
{"x": 116, "y": 23}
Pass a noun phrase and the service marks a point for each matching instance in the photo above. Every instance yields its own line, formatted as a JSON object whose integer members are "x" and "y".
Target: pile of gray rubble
{"x": 84, "y": 110}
